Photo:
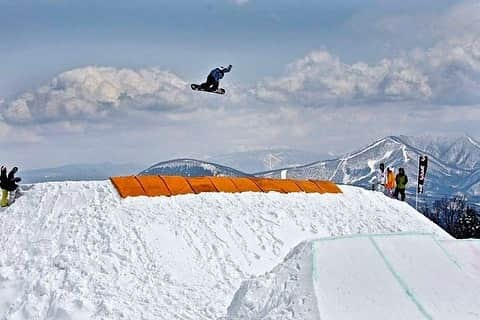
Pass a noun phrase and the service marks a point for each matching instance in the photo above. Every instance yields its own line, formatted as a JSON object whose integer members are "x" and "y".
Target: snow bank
{"x": 402, "y": 276}
{"x": 75, "y": 250}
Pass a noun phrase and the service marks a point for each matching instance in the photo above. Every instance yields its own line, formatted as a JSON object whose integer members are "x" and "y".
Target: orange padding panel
{"x": 267, "y": 185}
{"x": 175, "y": 185}
{"x": 128, "y": 186}
{"x": 308, "y": 186}
{"x": 154, "y": 186}
{"x": 224, "y": 184}
{"x": 245, "y": 185}
{"x": 202, "y": 184}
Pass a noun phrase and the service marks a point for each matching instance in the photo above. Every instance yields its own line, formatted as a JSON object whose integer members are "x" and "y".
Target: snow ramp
{"x": 396, "y": 276}
{"x": 131, "y": 186}
{"x": 76, "y": 250}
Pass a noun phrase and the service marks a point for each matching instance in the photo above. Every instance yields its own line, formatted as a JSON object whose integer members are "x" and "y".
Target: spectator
{"x": 3, "y": 182}
{"x": 401, "y": 180}
{"x": 8, "y": 184}
{"x": 390, "y": 186}
{"x": 380, "y": 179}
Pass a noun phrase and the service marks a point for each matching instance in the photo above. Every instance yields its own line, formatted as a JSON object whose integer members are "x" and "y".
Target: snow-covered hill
{"x": 191, "y": 168}
{"x": 76, "y": 250}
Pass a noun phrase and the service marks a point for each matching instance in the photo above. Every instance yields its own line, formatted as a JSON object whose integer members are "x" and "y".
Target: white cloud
{"x": 97, "y": 92}
{"x": 448, "y": 73}
{"x": 321, "y": 78}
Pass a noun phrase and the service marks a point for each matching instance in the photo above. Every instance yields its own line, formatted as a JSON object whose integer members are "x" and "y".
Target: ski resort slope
{"x": 76, "y": 250}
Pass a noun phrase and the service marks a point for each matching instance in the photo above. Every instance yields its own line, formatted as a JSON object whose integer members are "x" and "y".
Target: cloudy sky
{"x": 94, "y": 81}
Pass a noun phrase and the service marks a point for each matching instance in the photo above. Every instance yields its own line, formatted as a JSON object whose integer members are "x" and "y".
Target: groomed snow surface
{"x": 395, "y": 276}
{"x": 76, "y": 250}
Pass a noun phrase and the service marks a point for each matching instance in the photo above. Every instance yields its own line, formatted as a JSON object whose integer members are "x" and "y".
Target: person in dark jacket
{"x": 213, "y": 79}
{"x": 9, "y": 185}
{"x": 3, "y": 183}
{"x": 401, "y": 180}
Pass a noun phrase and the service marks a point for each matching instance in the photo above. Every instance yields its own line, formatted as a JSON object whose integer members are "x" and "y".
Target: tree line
{"x": 455, "y": 215}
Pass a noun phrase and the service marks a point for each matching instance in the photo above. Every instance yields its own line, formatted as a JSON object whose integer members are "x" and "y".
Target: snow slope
{"x": 396, "y": 276}
{"x": 76, "y": 250}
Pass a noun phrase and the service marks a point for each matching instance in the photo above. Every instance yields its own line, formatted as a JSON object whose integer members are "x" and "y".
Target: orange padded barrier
{"x": 175, "y": 185}
{"x": 224, "y": 184}
{"x": 267, "y": 185}
{"x": 245, "y": 184}
{"x": 308, "y": 186}
{"x": 201, "y": 184}
{"x": 288, "y": 186}
{"x": 128, "y": 186}
{"x": 153, "y": 186}
{"x": 327, "y": 186}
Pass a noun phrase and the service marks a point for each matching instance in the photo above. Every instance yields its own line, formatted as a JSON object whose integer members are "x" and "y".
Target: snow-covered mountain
{"x": 191, "y": 168}
{"x": 462, "y": 152}
{"x": 454, "y": 165}
{"x": 79, "y": 172}
{"x": 270, "y": 159}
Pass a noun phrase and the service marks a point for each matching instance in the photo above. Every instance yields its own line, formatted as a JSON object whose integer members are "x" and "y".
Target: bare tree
{"x": 455, "y": 216}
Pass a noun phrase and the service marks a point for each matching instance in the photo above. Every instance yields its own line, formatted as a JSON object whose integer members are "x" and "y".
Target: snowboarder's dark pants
{"x": 402, "y": 193}
{"x": 211, "y": 84}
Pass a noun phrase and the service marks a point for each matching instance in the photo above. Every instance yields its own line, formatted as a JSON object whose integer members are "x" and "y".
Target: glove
{"x": 11, "y": 182}
{"x": 12, "y": 172}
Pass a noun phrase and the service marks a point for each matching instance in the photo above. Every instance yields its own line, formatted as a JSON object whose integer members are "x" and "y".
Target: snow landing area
{"x": 76, "y": 250}
{"x": 391, "y": 276}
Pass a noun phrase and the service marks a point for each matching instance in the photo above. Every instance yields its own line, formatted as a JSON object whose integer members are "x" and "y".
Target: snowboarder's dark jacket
{"x": 218, "y": 73}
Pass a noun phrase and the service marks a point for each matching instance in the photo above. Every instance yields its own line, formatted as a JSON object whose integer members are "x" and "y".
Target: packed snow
{"x": 392, "y": 276}
{"x": 76, "y": 250}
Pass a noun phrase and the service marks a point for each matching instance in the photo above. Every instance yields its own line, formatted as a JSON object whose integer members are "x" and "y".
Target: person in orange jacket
{"x": 390, "y": 185}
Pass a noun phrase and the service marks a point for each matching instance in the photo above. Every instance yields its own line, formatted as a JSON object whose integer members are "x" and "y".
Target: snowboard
{"x": 197, "y": 87}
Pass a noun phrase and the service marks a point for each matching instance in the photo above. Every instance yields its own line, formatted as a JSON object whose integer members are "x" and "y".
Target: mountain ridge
{"x": 453, "y": 166}
{"x": 191, "y": 168}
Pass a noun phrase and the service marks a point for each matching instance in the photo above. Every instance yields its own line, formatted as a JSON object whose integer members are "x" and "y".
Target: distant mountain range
{"x": 79, "y": 172}
{"x": 270, "y": 159}
{"x": 454, "y": 164}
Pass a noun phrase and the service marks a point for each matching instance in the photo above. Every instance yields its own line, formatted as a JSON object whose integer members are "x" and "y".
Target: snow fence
{"x": 131, "y": 186}
{"x": 396, "y": 276}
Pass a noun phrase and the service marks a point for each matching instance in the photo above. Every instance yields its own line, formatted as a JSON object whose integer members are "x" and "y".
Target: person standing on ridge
{"x": 390, "y": 186}
{"x": 380, "y": 178}
{"x": 401, "y": 179}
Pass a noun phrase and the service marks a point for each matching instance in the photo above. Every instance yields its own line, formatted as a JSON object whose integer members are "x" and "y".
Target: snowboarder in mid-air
{"x": 213, "y": 81}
